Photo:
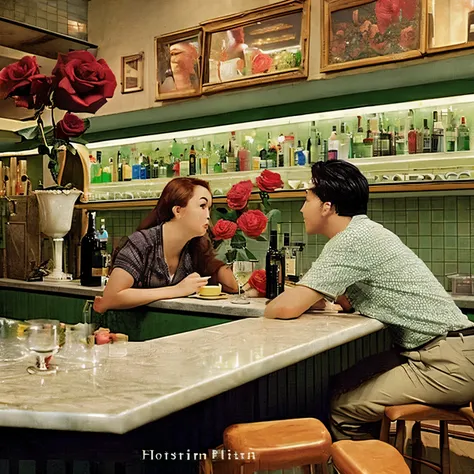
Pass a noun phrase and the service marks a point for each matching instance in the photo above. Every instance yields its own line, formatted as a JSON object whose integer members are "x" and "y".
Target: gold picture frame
{"x": 260, "y": 46}
{"x": 178, "y": 64}
{"x": 132, "y": 72}
{"x": 356, "y": 33}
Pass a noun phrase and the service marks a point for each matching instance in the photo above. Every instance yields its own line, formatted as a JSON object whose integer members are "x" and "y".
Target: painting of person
{"x": 183, "y": 74}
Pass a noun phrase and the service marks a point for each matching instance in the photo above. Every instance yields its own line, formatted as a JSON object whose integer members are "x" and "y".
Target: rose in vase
{"x": 237, "y": 223}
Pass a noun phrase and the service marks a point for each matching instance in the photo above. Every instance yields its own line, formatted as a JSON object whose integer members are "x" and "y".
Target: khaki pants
{"x": 440, "y": 373}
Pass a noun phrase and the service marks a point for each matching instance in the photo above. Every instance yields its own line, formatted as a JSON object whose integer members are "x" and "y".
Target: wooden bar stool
{"x": 279, "y": 444}
{"x": 367, "y": 457}
{"x": 418, "y": 413}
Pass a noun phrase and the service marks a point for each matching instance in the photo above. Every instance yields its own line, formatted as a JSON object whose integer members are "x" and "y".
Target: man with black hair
{"x": 367, "y": 268}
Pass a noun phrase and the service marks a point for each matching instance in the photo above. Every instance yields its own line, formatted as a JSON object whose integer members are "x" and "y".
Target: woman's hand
{"x": 191, "y": 284}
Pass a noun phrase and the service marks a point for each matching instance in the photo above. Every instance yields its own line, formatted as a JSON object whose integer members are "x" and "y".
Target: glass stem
{"x": 41, "y": 362}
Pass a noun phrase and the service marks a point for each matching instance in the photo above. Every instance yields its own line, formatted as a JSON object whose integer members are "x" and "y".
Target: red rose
{"x": 41, "y": 89}
{"x": 252, "y": 223}
{"x": 408, "y": 38}
{"x": 258, "y": 280}
{"x": 70, "y": 126}
{"x": 239, "y": 194}
{"x": 388, "y": 12}
{"x": 261, "y": 63}
{"x": 84, "y": 83}
{"x": 268, "y": 181}
{"x": 14, "y": 78}
{"x": 224, "y": 229}
{"x": 338, "y": 46}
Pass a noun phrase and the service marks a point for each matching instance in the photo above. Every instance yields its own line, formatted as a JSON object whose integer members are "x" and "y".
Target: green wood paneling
{"x": 140, "y": 324}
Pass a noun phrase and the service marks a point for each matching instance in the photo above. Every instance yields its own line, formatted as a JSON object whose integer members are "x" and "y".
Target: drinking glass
{"x": 42, "y": 338}
{"x": 242, "y": 271}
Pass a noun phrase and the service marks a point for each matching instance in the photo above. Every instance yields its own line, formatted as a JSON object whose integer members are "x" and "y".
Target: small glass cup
{"x": 42, "y": 338}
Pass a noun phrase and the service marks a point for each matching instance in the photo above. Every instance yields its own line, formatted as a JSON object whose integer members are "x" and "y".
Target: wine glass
{"x": 42, "y": 338}
{"x": 242, "y": 271}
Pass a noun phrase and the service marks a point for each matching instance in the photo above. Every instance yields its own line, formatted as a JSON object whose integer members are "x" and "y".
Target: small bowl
{"x": 211, "y": 290}
{"x": 294, "y": 183}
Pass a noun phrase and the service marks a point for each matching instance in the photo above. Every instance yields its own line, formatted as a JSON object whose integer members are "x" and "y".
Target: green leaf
{"x": 29, "y": 133}
{"x": 71, "y": 149}
{"x": 250, "y": 256}
{"x": 274, "y": 215}
{"x": 238, "y": 241}
{"x": 80, "y": 140}
{"x": 223, "y": 213}
{"x": 87, "y": 124}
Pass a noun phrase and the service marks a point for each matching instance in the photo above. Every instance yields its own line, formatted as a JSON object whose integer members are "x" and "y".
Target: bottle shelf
{"x": 388, "y": 174}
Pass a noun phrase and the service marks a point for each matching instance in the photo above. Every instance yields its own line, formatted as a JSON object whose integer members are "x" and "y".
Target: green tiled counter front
{"x": 140, "y": 324}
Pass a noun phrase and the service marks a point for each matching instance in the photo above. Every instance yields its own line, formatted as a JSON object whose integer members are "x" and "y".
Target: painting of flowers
{"x": 373, "y": 30}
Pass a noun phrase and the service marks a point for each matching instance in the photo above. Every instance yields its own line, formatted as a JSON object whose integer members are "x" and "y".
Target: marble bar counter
{"x": 165, "y": 375}
{"x": 224, "y": 307}
{"x": 73, "y": 288}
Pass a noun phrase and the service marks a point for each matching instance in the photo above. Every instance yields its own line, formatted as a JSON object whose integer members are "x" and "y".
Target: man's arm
{"x": 292, "y": 303}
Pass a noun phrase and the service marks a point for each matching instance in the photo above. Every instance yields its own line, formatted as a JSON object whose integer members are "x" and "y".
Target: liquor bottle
{"x": 315, "y": 146}
{"x": 400, "y": 140}
{"x": 300, "y": 157}
{"x": 192, "y": 161}
{"x": 290, "y": 258}
{"x": 143, "y": 166}
{"x": 385, "y": 138}
{"x": 91, "y": 257}
{"x": 96, "y": 168}
{"x": 437, "y": 137}
{"x": 412, "y": 135}
{"x": 426, "y": 137}
{"x": 103, "y": 237}
{"x": 358, "y": 140}
{"x": 368, "y": 142}
{"x": 154, "y": 170}
{"x": 136, "y": 167}
{"x": 333, "y": 145}
{"x": 463, "y": 136}
{"x": 345, "y": 145}
{"x": 126, "y": 170}
{"x": 119, "y": 167}
{"x": 223, "y": 159}
{"x": 450, "y": 133}
{"x": 275, "y": 268}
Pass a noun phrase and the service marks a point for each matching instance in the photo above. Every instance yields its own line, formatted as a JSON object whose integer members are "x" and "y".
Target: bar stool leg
{"x": 385, "y": 429}
{"x": 400, "y": 436}
{"x": 417, "y": 448}
{"x": 444, "y": 447}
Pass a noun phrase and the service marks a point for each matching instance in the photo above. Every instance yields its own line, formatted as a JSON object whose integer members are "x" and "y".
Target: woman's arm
{"x": 119, "y": 294}
{"x": 227, "y": 279}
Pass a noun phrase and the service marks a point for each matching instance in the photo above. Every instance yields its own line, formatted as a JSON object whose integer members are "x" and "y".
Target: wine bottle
{"x": 463, "y": 136}
{"x": 275, "y": 268}
{"x": 91, "y": 256}
{"x": 192, "y": 161}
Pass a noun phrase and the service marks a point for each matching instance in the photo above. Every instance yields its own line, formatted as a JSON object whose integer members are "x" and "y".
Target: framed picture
{"x": 132, "y": 73}
{"x": 361, "y": 32}
{"x": 178, "y": 64}
{"x": 258, "y": 46}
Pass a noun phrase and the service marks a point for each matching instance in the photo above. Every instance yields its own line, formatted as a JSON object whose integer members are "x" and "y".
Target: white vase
{"x": 55, "y": 212}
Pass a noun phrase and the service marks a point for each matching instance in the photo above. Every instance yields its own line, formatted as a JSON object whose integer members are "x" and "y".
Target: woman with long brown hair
{"x": 170, "y": 255}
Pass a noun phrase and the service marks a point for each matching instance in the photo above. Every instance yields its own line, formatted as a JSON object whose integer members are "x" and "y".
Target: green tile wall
{"x": 440, "y": 230}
